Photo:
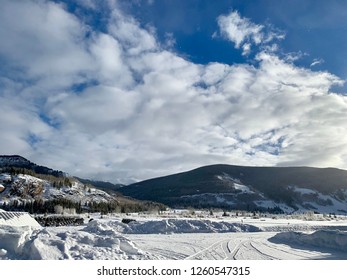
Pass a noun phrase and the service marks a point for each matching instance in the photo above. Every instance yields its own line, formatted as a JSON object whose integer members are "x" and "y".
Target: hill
{"x": 277, "y": 189}
{"x": 17, "y": 162}
{"x": 25, "y": 186}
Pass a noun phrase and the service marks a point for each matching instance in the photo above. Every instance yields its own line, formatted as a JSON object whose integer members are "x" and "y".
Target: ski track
{"x": 211, "y": 250}
{"x": 233, "y": 246}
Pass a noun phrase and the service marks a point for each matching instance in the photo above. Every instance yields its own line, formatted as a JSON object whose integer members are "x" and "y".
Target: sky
{"x": 124, "y": 91}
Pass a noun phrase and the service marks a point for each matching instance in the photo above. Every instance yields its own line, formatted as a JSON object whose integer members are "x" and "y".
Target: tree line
{"x": 40, "y": 206}
{"x": 57, "y": 181}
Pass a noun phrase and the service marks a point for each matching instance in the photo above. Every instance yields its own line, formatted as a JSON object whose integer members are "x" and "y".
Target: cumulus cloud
{"x": 40, "y": 40}
{"x": 109, "y": 63}
{"x": 134, "y": 39}
{"x": 119, "y": 106}
{"x": 244, "y": 33}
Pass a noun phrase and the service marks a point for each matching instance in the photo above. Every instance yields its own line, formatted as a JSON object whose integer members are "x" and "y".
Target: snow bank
{"x": 12, "y": 239}
{"x": 169, "y": 226}
{"x": 94, "y": 241}
{"x": 332, "y": 239}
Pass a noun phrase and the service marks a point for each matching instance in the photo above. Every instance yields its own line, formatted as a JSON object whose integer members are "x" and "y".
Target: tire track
{"x": 292, "y": 252}
{"x": 210, "y": 250}
{"x": 270, "y": 257}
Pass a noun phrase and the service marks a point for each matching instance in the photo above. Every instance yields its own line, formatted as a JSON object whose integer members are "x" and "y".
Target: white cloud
{"x": 244, "y": 33}
{"x": 134, "y": 39}
{"x": 239, "y": 30}
{"x": 43, "y": 41}
{"x": 170, "y": 40}
{"x": 316, "y": 61}
{"x": 109, "y": 63}
{"x": 96, "y": 110}
{"x": 18, "y": 123}
{"x": 144, "y": 111}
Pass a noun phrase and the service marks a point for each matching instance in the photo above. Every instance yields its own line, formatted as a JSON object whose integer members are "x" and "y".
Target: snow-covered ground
{"x": 177, "y": 237}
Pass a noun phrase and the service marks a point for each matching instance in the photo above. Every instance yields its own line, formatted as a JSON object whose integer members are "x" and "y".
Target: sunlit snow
{"x": 178, "y": 237}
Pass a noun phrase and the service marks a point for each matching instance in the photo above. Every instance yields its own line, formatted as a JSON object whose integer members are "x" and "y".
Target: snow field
{"x": 177, "y": 238}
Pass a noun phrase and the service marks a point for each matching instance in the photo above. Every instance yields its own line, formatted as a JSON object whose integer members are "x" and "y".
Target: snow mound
{"x": 170, "y": 226}
{"x": 331, "y": 239}
{"x": 94, "y": 241}
{"x": 13, "y": 239}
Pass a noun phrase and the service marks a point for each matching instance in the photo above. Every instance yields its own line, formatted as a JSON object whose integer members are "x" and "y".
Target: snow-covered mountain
{"x": 24, "y": 187}
{"x": 246, "y": 197}
{"x": 274, "y": 189}
{"x": 23, "y": 180}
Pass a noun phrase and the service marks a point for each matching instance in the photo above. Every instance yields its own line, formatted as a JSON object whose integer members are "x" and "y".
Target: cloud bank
{"x": 117, "y": 105}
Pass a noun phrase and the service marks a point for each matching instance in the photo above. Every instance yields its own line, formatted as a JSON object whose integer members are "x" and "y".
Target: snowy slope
{"x": 308, "y": 199}
{"x": 241, "y": 196}
{"x": 78, "y": 192}
{"x": 236, "y": 183}
{"x": 25, "y": 187}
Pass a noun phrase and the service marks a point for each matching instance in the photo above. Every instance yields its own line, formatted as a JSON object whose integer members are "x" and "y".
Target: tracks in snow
{"x": 230, "y": 246}
{"x": 252, "y": 247}
{"x": 232, "y": 249}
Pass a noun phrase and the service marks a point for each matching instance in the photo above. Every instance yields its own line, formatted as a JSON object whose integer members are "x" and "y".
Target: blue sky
{"x": 316, "y": 29}
{"x": 128, "y": 90}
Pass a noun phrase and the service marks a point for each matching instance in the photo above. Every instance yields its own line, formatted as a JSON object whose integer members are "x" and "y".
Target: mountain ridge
{"x": 251, "y": 188}
{"x": 220, "y": 185}
{"x": 21, "y": 162}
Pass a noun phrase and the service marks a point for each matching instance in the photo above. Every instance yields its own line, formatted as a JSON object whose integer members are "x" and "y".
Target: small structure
{"x": 17, "y": 219}
{"x": 56, "y": 221}
{"x": 127, "y": 221}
